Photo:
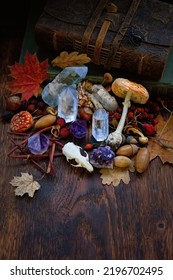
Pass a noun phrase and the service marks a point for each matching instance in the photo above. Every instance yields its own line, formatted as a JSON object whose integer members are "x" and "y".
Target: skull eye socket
{"x": 83, "y": 152}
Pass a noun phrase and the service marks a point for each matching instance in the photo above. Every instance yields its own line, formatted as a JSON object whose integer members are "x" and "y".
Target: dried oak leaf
{"x": 25, "y": 184}
{"x": 28, "y": 77}
{"x": 66, "y": 59}
{"x": 114, "y": 176}
{"x": 162, "y": 145}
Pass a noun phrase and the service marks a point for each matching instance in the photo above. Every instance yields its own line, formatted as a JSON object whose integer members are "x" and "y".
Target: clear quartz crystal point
{"x": 68, "y": 104}
{"x": 100, "y": 125}
{"x": 68, "y": 76}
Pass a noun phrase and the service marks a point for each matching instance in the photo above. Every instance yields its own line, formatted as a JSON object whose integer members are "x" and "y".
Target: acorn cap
{"x": 121, "y": 86}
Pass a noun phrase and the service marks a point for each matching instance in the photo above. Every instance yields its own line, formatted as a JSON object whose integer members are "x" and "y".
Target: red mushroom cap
{"x": 21, "y": 121}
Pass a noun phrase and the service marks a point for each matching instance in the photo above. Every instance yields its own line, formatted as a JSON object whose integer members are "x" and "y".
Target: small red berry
{"x": 146, "y": 109}
{"x": 144, "y": 115}
{"x": 117, "y": 115}
{"x": 61, "y": 122}
{"x": 139, "y": 110}
{"x": 119, "y": 110}
{"x": 88, "y": 147}
{"x": 149, "y": 129}
{"x": 130, "y": 115}
{"x": 64, "y": 132}
{"x": 151, "y": 116}
{"x": 155, "y": 122}
{"x": 133, "y": 108}
{"x": 31, "y": 107}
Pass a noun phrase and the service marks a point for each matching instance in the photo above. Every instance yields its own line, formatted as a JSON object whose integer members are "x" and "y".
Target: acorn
{"x": 127, "y": 150}
{"x": 45, "y": 121}
{"x": 122, "y": 161}
{"x": 142, "y": 160}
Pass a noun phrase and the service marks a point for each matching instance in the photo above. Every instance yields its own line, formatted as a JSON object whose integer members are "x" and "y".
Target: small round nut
{"x": 142, "y": 160}
{"x": 13, "y": 103}
{"x": 21, "y": 121}
{"x": 127, "y": 150}
{"x": 122, "y": 161}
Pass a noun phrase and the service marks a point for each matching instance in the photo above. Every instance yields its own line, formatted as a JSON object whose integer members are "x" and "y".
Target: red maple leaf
{"x": 27, "y": 77}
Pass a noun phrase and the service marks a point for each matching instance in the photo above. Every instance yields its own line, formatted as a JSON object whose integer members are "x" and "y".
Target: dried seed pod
{"x": 45, "y": 121}
{"x": 122, "y": 161}
{"x": 142, "y": 160}
{"x": 127, "y": 150}
{"x": 83, "y": 98}
{"x": 21, "y": 121}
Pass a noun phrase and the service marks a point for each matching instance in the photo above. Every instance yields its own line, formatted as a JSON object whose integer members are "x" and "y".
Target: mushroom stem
{"x": 126, "y": 105}
{"x": 115, "y": 138}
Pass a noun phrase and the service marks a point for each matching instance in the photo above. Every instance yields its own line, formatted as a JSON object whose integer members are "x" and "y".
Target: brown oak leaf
{"x": 114, "y": 176}
{"x": 27, "y": 77}
{"x": 66, "y": 59}
{"x": 25, "y": 184}
{"x": 162, "y": 145}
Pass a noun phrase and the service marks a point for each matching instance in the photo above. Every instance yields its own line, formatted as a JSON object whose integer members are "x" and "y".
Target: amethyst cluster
{"x": 102, "y": 157}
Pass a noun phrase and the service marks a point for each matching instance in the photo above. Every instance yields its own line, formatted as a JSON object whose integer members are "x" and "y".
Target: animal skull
{"x": 72, "y": 151}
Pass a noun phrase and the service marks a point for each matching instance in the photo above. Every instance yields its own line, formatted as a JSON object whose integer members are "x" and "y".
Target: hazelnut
{"x": 85, "y": 113}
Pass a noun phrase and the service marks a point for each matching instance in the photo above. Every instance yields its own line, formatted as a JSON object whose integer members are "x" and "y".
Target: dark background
{"x": 13, "y": 14}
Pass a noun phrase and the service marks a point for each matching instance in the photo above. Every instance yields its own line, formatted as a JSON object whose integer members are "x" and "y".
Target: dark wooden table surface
{"x": 73, "y": 216}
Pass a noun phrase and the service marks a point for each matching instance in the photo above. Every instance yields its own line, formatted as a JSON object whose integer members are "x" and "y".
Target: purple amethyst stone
{"x": 102, "y": 157}
{"x": 38, "y": 143}
{"x": 79, "y": 128}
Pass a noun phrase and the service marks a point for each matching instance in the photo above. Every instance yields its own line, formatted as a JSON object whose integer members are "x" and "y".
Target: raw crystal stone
{"x": 38, "y": 143}
{"x": 68, "y": 104}
{"x": 102, "y": 157}
{"x": 68, "y": 76}
{"x": 100, "y": 125}
{"x": 79, "y": 128}
{"x": 71, "y": 75}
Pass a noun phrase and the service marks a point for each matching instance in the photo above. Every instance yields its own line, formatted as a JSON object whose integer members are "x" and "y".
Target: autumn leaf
{"x": 162, "y": 145}
{"x": 114, "y": 176}
{"x": 66, "y": 59}
{"x": 27, "y": 77}
{"x": 25, "y": 184}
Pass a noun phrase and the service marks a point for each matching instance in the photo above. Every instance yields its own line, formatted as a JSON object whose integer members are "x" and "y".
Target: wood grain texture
{"x": 73, "y": 216}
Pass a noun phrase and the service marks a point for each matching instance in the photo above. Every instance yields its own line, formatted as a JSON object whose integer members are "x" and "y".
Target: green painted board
{"x": 167, "y": 76}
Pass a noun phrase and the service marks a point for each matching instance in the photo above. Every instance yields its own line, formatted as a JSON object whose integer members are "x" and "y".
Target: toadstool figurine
{"x": 128, "y": 90}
